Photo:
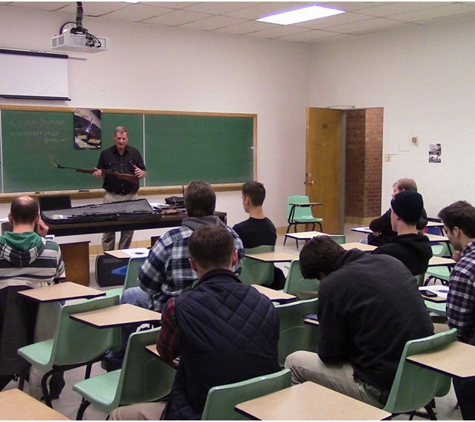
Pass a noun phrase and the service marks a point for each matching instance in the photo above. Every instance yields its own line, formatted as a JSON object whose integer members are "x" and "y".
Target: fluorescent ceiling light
{"x": 300, "y": 15}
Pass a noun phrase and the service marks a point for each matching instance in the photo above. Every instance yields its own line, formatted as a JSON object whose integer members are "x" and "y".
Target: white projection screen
{"x": 33, "y": 75}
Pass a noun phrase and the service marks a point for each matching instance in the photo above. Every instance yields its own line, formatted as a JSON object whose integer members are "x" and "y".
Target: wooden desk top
{"x": 439, "y": 261}
{"x": 305, "y": 235}
{"x": 356, "y": 245}
{"x": 437, "y": 238}
{"x": 363, "y": 229}
{"x": 152, "y": 348}
{"x": 62, "y": 291}
{"x": 118, "y": 315}
{"x": 435, "y": 224}
{"x": 456, "y": 359}
{"x": 129, "y": 253}
{"x": 274, "y": 256}
{"x": 309, "y": 401}
{"x": 274, "y": 295}
{"x": 17, "y": 405}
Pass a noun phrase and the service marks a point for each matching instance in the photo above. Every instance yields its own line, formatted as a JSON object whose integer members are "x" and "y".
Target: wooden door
{"x": 323, "y": 165}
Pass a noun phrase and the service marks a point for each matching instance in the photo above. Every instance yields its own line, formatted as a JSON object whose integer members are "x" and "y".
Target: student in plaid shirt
{"x": 459, "y": 224}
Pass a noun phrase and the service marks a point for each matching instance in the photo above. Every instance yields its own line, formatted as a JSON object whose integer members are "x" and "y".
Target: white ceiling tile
{"x": 375, "y": 24}
{"x": 278, "y": 31}
{"x": 177, "y": 17}
{"x": 434, "y": 12}
{"x": 212, "y": 23}
{"x": 43, "y": 5}
{"x": 219, "y": 7}
{"x": 137, "y": 12}
{"x": 391, "y": 9}
{"x": 96, "y": 8}
{"x": 342, "y": 19}
{"x": 309, "y": 36}
{"x": 169, "y": 4}
{"x": 245, "y": 28}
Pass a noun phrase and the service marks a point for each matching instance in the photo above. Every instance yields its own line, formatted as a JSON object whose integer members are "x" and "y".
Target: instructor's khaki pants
{"x": 108, "y": 239}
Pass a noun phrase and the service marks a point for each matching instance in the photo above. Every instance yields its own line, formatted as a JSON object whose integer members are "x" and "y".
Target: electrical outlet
{"x": 387, "y": 158}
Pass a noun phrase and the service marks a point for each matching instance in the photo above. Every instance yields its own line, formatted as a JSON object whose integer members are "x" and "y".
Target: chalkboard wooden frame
{"x": 12, "y": 177}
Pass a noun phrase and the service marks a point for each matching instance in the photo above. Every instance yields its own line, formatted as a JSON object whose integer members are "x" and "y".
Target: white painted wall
{"x": 182, "y": 70}
{"x": 425, "y": 80}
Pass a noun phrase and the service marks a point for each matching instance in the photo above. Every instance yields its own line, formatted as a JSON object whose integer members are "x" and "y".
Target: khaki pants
{"x": 139, "y": 412}
{"x": 307, "y": 366}
{"x": 108, "y": 239}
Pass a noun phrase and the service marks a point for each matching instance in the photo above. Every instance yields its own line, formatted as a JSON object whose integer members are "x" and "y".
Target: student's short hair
{"x": 120, "y": 129}
{"x": 406, "y": 184}
{"x": 255, "y": 191}
{"x": 319, "y": 255}
{"x": 460, "y": 214}
{"x": 200, "y": 199}
{"x": 24, "y": 210}
{"x": 211, "y": 246}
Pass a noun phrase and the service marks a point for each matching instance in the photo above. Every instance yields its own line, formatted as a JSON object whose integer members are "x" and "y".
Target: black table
{"x": 154, "y": 221}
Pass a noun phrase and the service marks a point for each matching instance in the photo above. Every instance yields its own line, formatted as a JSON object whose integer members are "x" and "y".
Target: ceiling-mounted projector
{"x": 85, "y": 43}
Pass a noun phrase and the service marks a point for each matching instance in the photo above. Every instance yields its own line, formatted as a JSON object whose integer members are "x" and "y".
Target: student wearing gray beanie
{"x": 410, "y": 247}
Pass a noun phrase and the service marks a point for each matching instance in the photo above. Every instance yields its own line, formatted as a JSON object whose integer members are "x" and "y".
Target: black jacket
{"x": 368, "y": 308}
{"x": 228, "y": 332}
{"x": 413, "y": 250}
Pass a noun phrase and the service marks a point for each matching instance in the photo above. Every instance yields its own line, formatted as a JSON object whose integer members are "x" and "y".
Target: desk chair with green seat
{"x": 144, "y": 377}
{"x": 222, "y": 399}
{"x": 294, "y": 333}
{"x": 415, "y": 386}
{"x": 295, "y": 284}
{"x": 257, "y": 272}
{"x": 75, "y": 344}
{"x": 300, "y": 214}
{"x": 131, "y": 277}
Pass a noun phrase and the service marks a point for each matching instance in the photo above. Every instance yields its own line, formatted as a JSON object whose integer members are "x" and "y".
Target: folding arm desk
{"x": 274, "y": 295}
{"x": 62, "y": 291}
{"x": 309, "y": 401}
{"x": 17, "y": 405}
{"x": 456, "y": 359}
{"x": 116, "y": 316}
{"x": 274, "y": 256}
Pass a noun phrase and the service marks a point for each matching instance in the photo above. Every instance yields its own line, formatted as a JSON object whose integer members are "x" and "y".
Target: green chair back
{"x": 257, "y": 272}
{"x": 294, "y": 333}
{"x": 338, "y": 238}
{"x": 414, "y": 386}
{"x": 75, "y": 343}
{"x": 144, "y": 377}
{"x": 301, "y": 214}
{"x": 222, "y": 399}
{"x": 295, "y": 284}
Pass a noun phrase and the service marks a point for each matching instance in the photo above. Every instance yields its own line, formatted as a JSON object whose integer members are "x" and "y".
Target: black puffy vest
{"x": 228, "y": 333}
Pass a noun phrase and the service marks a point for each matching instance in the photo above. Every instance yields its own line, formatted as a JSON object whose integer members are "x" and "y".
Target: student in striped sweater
{"x": 27, "y": 259}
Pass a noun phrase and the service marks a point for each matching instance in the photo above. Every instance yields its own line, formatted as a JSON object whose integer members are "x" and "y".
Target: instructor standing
{"x": 120, "y": 158}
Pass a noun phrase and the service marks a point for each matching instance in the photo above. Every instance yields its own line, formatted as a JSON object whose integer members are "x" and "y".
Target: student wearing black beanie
{"x": 410, "y": 247}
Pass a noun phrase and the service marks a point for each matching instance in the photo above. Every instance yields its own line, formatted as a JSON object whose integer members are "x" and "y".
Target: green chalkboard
{"x": 181, "y": 148}
{"x": 29, "y": 139}
{"x": 176, "y": 148}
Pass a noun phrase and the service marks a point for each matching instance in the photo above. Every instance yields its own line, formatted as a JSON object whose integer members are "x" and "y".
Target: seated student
{"x": 459, "y": 224}
{"x": 27, "y": 259}
{"x": 222, "y": 330}
{"x": 410, "y": 247}
{"x": 258, "y": 230}
{"x": 381, "y": 227}
{"x": 368, "y": 308}
{"x": 167, "y": 271}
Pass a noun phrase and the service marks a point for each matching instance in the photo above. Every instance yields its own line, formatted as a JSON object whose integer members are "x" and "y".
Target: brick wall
{"x": 363, "y": 173}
